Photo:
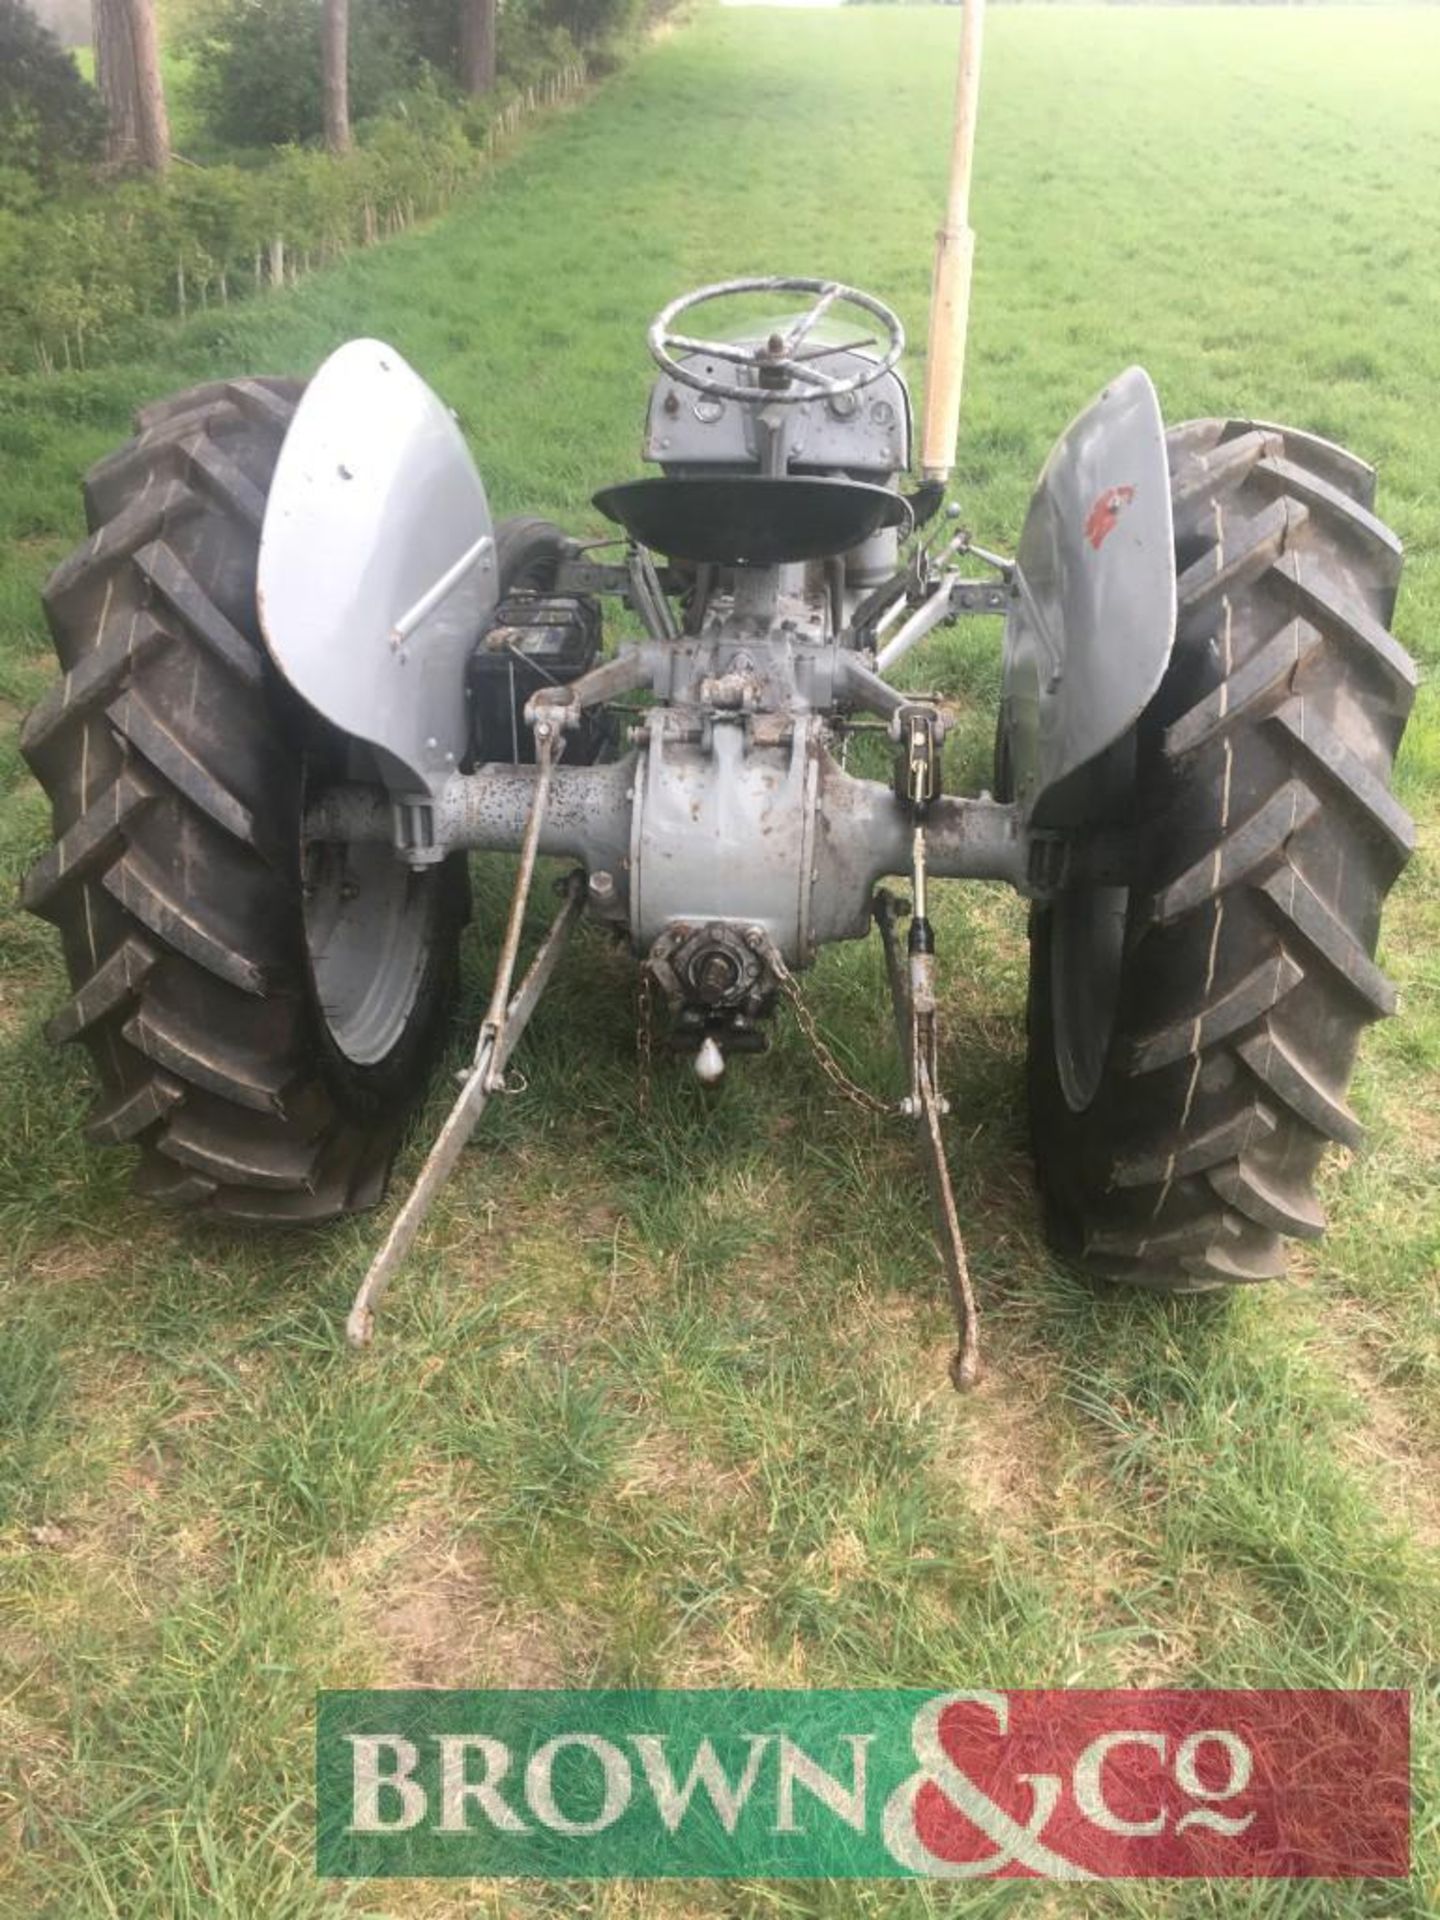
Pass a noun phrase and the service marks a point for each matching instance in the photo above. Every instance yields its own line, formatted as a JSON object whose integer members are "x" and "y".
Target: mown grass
{"x": 663, "y": 1398}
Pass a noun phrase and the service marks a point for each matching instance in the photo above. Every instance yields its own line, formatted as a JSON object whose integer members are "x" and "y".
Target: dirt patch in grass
{"x": 134, "y": 1544}
{"x": 20, "y": 994}
{"x": 426, "y": 1611}
{"x": 664, "y": 1464}
{"x": 1412, "y": 1116}
{"x": 38, "y": 1778}
{"x": 1001, "y": 1445}
{"x": 87, "y": 1260}
{"x": 1385, "y": 1448}
{"x": 738, "y": 1653}
{"x": 502, "y": 1235}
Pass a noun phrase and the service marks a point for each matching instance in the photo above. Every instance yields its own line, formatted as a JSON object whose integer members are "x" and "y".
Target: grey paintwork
{"x": 377, "y": 562}
{"x": 800, "y": 854}
{"x": 1092, "y": 617}
{"x": 704, "y": 810}
{"x": 864, "y": 432}
{"x": 377, "y": 574}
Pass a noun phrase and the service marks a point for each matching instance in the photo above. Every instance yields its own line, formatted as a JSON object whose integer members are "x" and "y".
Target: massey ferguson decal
{"x": 1104, "y": 516}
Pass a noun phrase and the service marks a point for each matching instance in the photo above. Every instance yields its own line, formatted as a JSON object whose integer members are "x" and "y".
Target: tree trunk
{"x": 477, "y": 45}
{"x": 127, "y": 72}
{"x": 115, "y": 77}
{"x": 335, "y": 67}
{"x": 154, "y": 121}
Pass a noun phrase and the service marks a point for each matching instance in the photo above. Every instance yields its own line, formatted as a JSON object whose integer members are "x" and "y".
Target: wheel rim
{"x": 369, "y": 929}
{"x": 371, "y": 924}
{"x": 1087, "y": 949}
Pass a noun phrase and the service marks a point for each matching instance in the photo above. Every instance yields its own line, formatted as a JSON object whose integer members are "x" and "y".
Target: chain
{"x": 789, "y": 986}
{"x": 829, "y": 1065}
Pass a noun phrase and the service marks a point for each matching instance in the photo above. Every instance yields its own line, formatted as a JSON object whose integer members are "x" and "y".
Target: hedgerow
{"x": 95, "y": 262}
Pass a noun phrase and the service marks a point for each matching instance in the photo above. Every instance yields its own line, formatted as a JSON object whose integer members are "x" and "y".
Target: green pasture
{"x": 663, "y": 1399}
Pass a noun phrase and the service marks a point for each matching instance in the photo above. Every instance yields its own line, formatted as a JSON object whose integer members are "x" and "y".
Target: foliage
{"x": 80, "y": 268}
{"x": 257, "y": 66}
{"x": 257, "y": 62}
{"x": 432, "y": 29}
{"x": 49, "y": 118}
{"x": 97, "y": 263}
{"x": 527, "y": 51}
{"x": 590, "y": 22}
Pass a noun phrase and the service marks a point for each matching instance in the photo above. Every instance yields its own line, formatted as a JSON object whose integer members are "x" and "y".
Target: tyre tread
{"x": 164, "y": 749}
{"x": 1250, "y": 949}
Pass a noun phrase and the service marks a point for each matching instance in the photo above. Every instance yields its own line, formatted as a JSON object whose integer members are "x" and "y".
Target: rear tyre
{"x": 1192, "y": 1037}
{"x": 261, "y": 1015}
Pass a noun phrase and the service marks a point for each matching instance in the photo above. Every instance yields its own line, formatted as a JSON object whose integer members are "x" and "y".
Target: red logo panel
{"x": 1075, "y": 1785}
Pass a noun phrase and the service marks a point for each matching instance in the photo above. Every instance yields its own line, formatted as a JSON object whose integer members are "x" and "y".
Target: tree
{"x": 49, "y": 118}
{"x": 127, "y": 72}
{"x": 257, "y": 66}
{"x": 335, "y": 74}
{"x": 477, "y": 45}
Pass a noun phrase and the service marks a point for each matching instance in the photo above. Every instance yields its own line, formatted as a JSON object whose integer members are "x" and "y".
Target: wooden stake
{"x": 954, "y": 257}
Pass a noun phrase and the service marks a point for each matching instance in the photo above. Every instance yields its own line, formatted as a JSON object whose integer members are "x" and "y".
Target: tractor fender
{"x": 1091, "y": 621}
{"x": 377, "y": 567}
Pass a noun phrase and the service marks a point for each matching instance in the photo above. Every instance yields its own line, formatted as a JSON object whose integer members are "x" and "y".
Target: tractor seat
{"x": 737, "y": 519}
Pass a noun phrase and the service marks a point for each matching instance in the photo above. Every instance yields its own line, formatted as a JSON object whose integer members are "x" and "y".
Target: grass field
{"x": 664, "y": 1398}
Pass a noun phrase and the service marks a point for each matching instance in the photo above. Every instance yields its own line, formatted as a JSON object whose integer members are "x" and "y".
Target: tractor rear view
{"x": 306, "y": 676}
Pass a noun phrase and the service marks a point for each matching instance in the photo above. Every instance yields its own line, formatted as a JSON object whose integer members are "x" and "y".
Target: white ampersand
{"x": 1013, "y": 1841}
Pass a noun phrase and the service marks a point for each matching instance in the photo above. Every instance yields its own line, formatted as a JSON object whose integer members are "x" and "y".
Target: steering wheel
{"x": 783, "y": 364}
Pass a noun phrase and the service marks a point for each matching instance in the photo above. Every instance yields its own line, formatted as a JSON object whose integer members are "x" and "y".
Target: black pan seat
{"x": 738, "y": 519}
